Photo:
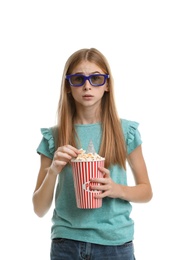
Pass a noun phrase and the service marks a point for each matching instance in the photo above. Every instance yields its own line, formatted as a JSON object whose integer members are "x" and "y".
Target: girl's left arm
{"x": 140, "y": 192}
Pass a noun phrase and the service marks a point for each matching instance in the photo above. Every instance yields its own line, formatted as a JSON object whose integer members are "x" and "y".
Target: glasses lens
{"x": 97, "y": 80}
{"x": 77, "y": 80}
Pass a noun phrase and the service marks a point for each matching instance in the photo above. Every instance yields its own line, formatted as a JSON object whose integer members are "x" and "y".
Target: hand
{"x": 107, "y": 185}
{"x": 62, "y": 156}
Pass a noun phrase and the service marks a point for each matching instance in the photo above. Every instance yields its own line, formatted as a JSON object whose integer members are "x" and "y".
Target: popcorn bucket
{"x": 83, "y": 171}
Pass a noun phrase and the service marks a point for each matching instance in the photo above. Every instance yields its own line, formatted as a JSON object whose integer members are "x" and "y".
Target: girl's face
{"x": 88, "y": 95}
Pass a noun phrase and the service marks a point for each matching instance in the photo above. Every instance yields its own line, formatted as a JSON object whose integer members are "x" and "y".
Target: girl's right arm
{"x": 43, "y": 194}
{"x": 49, "y": 170}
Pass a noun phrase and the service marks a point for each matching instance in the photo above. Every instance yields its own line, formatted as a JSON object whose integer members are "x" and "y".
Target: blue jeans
{"x": 66, "y": 249}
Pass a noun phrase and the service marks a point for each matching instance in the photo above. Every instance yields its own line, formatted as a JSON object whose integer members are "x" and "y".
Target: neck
{"x": 84, "y": 121}
{"x": 87, "y": 117}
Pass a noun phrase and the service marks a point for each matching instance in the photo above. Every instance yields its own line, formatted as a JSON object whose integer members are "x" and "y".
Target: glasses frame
{"x": 68, "y": 77}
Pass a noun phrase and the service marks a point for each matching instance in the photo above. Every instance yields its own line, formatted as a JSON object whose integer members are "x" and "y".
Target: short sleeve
{"x": 131, "y": 134}
{"x": 47, "y": 145}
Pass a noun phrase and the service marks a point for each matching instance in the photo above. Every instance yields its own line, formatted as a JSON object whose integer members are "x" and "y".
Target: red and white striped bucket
{"x": 82, "y": 173}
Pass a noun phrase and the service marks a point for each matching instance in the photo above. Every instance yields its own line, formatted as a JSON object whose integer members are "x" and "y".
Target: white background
{"x": 141, "y": 40}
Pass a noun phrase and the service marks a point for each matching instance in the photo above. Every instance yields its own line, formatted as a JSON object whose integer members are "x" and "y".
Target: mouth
{"x": 87, "y": 97}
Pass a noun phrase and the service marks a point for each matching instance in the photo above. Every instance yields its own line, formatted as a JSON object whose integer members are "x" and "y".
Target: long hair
{"x": 113, "y": 144}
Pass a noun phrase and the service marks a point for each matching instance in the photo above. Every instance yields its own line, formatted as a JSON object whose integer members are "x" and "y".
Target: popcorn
{"x": 83, "y": 156}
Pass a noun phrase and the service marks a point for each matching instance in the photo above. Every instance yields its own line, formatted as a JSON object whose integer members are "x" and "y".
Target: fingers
{"x": 106, "y": 175}
{"x": 62, "y": 156}
{"x": 105, "y": 185}
{"x": 105, "y": 172}
{"x": 66, "y": 153}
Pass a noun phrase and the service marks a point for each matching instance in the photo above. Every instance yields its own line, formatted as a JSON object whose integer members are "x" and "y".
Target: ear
{"x": 107, "y": 88}
{"x": 68, "y": 89}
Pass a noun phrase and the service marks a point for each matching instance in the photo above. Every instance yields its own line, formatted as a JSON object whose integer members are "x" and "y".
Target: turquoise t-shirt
{"x": 109, "y": 225}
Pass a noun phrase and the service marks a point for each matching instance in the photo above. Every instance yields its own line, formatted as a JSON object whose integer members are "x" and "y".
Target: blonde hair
{"x": 113, "y": 145}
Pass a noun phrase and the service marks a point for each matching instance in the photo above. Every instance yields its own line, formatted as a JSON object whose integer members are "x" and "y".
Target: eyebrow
{"x": 94, "y": 72}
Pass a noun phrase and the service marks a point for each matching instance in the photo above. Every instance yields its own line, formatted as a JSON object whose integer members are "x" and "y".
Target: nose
{"x": 87, "y": 85}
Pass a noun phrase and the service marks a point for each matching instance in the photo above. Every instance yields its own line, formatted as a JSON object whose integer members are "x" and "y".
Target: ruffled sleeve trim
{"x": 47, "y": 134}
{"x": 132, "y": 128}
{"x": 131, "y": 134}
